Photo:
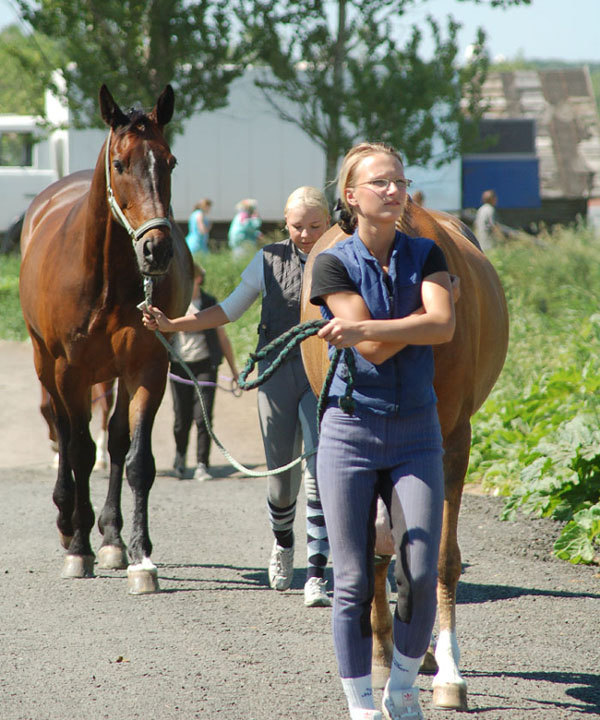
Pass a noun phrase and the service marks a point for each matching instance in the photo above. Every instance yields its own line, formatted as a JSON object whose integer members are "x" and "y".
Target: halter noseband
{"x": 116, "y": 210}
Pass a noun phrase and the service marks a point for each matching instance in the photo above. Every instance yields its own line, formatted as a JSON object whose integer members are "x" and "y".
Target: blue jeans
{"x": 398, "y": 458}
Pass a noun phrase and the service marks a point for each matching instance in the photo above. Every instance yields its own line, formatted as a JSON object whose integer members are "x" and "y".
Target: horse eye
{"x": 118, "y": 166}
{"x": 172, "y": 162}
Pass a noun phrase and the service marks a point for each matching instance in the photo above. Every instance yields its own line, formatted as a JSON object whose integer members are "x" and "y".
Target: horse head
{"x": 138, "y": 166}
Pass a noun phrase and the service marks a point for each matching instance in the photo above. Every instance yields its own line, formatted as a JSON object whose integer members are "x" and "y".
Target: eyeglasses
{"x": 384, "y": 183}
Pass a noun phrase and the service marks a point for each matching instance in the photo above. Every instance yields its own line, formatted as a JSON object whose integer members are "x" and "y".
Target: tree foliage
{"x": 343, "y": 75}
{"x": 136, "y": 47}
{"x": 27, "y": 62}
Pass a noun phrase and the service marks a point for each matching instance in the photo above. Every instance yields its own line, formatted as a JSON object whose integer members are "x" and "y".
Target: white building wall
{"x": 243, "y": 150}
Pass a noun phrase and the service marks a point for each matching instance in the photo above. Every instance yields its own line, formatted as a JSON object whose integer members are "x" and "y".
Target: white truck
{"x": 242, "y": 150}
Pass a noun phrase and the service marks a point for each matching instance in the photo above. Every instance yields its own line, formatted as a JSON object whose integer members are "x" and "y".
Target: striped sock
{"x": 317, "y": 542}
{"x": 282, "y": 523}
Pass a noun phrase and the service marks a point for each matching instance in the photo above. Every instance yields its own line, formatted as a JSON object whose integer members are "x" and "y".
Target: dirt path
{"x": 216, "y": 642}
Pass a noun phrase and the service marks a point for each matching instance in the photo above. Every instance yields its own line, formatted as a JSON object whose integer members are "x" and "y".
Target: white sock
{"x": 359, "y": 693}
{"x": 404, "y": 671}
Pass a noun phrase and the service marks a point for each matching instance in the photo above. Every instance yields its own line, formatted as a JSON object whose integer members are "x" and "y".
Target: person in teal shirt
{"x": 199, "y": 226}
{"x": 244, "y": 230}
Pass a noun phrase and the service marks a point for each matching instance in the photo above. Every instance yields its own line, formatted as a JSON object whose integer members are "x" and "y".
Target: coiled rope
{"x": 289, "y": 340}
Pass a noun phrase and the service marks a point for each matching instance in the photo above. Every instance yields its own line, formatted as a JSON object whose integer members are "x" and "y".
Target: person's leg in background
{"x": 278, "y": 415}
{"x": 317, "y": 542}
{"x": 183, "y": 412}
{"x": 206, "y": 376}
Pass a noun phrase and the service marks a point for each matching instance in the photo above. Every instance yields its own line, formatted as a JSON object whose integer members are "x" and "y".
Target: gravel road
{"x": 216, "y": 642}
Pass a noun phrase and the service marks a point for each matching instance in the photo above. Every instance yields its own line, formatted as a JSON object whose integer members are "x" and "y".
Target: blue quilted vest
{"x": 404, "y": 382}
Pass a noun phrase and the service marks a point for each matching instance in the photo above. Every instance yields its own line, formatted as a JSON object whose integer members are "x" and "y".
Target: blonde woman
{"x": 286, "y": 404}
{"x": 388, "y": 296}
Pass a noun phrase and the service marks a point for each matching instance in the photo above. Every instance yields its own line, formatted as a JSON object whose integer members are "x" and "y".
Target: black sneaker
{"x": 179, "y": 466}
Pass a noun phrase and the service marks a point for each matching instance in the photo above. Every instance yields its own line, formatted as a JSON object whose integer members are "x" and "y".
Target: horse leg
{"x": 112, "y": 554}
{"x": 103, "y": 395}
{"x": 75, "y": 396}
{"x": 141, "y": 471}
{"x": 381, "y": 624}
{"x": 63, "y": 494}
{"x": 49, "y": 417}
{"x": 449, "y": 687}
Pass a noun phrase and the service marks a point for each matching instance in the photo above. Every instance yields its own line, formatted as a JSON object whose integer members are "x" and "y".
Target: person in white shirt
{"x": 486, "y": 228}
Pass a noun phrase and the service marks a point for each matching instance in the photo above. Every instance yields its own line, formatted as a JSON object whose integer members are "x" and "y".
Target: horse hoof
{"x": 78, "y": 566}
{"x": 450, "y": 696}
{"x": 142, "y": 580}
{"x": 112, "y": 557}
{"x": 429, "y": 665}
{"x": 65, "y": 540}
{"x": 379, "y": 676}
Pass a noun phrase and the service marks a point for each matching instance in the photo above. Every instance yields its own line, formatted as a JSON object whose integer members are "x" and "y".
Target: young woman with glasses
{"x": 388, "y": 297}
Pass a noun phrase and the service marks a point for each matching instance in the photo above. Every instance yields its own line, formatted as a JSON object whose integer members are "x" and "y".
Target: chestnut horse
{"x": 466, "y": 369}
{"x": 95, "y": 244}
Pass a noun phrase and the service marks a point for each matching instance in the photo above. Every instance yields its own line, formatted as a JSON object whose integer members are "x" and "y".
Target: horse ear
{"x": 163, "y": 110}
{"x": 110, "y": 111}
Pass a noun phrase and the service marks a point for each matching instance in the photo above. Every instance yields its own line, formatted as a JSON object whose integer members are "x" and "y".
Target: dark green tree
{"x": 136, "y": 47}
{"x": 342, "y": 75}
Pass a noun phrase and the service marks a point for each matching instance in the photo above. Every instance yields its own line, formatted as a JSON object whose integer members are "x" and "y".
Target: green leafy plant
{"x": 535, "y": 440}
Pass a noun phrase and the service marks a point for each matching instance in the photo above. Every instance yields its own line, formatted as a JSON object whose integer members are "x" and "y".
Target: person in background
{"x": 418, "y": 197}
{"x": 244, "y": 230}
{"x": 387, "y": 296}
{"x": 199, "y": 227}
{"x": 202, "y": 352}
{"x": 287, "y": 407}
{"x": 486, "y": 228}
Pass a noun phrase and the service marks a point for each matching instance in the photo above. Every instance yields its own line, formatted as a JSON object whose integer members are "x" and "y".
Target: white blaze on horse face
{"x": 153, "y": 189}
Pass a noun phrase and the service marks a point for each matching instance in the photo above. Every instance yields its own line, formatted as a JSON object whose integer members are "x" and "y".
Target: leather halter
{"x": 118, "y": 214}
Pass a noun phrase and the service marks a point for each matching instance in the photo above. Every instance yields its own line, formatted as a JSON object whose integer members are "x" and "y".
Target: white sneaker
{"x": 401, "y": 704}
{"x": 281, "y": 567}
{"x": 315, "y": 593}
{"x": 365, "y": 714}
{"x": 201, "y": 473}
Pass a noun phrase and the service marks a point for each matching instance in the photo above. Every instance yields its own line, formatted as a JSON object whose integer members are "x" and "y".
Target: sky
{"x": 545, "y": 30}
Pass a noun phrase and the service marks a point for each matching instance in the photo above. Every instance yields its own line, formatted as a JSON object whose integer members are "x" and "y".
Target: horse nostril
{"x": 148, "y": 250}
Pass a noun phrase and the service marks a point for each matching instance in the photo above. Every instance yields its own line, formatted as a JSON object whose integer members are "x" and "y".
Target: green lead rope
{"x": 289, "y": 340}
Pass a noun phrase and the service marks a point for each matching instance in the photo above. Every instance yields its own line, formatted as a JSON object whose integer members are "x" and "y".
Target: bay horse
{"x": 466, "y": 370}
{"x": 96, "y": 244}
{"x": 103, "y": 398}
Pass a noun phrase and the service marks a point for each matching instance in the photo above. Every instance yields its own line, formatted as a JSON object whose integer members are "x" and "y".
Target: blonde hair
{"x": 351, "y": 161}
{"x": 248, "y": 205}
{"x": 308, "y": 197}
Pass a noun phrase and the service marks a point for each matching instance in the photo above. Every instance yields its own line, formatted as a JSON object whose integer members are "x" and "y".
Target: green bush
{"x": 12, "y": 326}
{"x": 535, "y": 439}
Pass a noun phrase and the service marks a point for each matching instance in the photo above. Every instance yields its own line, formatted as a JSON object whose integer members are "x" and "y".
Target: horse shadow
{"x": 472, "y": 593}
{"x": 218, "y": 472}
{"x": 247, "y": 578}
{"x": 584, "y": 689}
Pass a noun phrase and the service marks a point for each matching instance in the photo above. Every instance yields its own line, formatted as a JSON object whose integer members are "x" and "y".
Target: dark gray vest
{"x": 283, "y": 283}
